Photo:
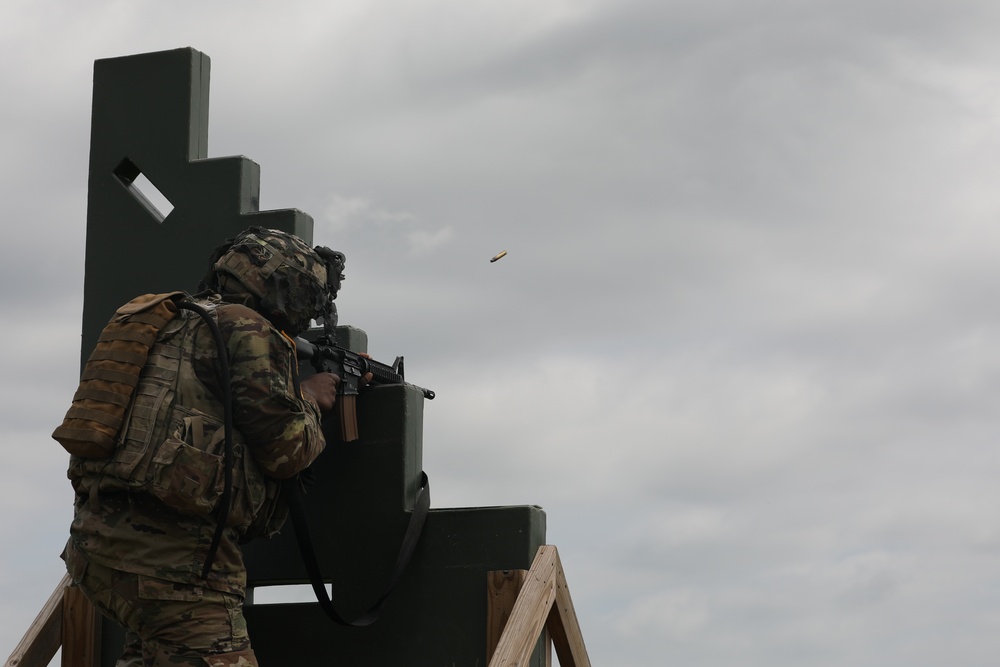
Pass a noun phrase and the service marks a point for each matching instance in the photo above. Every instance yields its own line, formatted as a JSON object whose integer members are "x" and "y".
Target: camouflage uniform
{"x": 181, "y": 624}
{"x": 144, "y": 519}
{"x": 147, "y": 505}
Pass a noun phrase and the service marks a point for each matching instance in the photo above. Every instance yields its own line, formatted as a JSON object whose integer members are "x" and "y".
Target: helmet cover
{"x": 286, "y": 277}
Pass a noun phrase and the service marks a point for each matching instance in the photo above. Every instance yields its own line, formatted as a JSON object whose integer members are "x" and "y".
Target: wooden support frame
{"x": 44, "y": 637}
{"x": 503, "y": 588}
{"x": 523, "y": 604}
{"x": 67, "y": 621}
{"x": 542, "y": 603}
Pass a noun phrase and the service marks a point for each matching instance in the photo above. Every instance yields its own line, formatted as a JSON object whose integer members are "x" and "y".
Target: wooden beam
{"x": 530, "y": 612}
{"x": 42, "y": 640}
{"x": 564, "y": 627}
{"x": 81, "y": 630}
{"x": 502, "y": 589}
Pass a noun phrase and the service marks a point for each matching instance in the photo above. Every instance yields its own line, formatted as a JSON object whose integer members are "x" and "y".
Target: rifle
{"x": 328, "y": 357}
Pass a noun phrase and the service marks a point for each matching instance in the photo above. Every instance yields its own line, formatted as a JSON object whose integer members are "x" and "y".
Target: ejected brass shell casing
{"x": 498, "y": 256}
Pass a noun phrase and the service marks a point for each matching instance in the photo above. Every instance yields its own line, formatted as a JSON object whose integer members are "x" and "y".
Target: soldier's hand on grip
{"x": 323, "y": 388}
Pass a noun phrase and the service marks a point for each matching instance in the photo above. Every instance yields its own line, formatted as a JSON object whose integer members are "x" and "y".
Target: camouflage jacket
{"x": 151, "y": 508}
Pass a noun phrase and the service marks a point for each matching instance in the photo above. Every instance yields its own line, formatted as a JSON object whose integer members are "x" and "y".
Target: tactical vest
{"x": 171, "y": 444}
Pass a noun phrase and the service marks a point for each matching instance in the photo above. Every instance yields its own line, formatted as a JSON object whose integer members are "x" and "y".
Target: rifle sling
{"x": 296, "y": 507}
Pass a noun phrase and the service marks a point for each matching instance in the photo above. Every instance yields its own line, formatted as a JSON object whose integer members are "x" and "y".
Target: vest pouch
{"x": 271, "y": 516}
{"x": 249, "y": 489}
{"x": 257, "y": 510}
{"x": 186, "y": 471}
{"x": 134, "y": 454}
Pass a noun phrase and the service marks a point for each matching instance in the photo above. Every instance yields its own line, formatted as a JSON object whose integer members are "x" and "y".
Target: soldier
{"x": 149, "y": 544}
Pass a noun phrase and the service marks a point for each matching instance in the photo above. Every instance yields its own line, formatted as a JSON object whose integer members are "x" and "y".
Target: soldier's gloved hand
{"x": 368, "y": 376}
{"x": 323, "y": 388}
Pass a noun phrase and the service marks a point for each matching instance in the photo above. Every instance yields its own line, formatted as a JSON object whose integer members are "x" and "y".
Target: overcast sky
{"x": 743, "y": 349}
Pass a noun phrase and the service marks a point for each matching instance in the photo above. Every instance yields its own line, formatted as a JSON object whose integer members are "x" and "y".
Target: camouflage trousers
{"x": 167, "y": 624}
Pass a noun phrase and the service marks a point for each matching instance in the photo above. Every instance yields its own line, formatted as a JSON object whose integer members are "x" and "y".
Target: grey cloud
{"x": 744, "y": 326}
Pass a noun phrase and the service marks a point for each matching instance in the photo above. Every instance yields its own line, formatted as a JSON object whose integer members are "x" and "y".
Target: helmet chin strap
{"x": 330, "y": 318}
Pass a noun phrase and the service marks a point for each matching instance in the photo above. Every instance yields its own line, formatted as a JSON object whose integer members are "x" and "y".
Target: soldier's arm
{"x": 280, "y": 425}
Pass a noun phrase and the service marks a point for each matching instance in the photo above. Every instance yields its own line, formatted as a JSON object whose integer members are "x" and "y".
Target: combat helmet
{"x": 288, "y": 282}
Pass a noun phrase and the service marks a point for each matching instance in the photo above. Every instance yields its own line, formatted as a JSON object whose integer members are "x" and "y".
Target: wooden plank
{"x": 564, "y": 627}
{"x": 42, "y": 640}
{"x": 502, "y": 588}
{"x": 81, "y": 627}
{"x": 530, "y": 612}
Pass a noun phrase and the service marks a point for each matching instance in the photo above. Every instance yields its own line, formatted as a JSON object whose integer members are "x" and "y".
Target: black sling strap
{"x": 225, "y": 502}
{"x": 296, "y": 506}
